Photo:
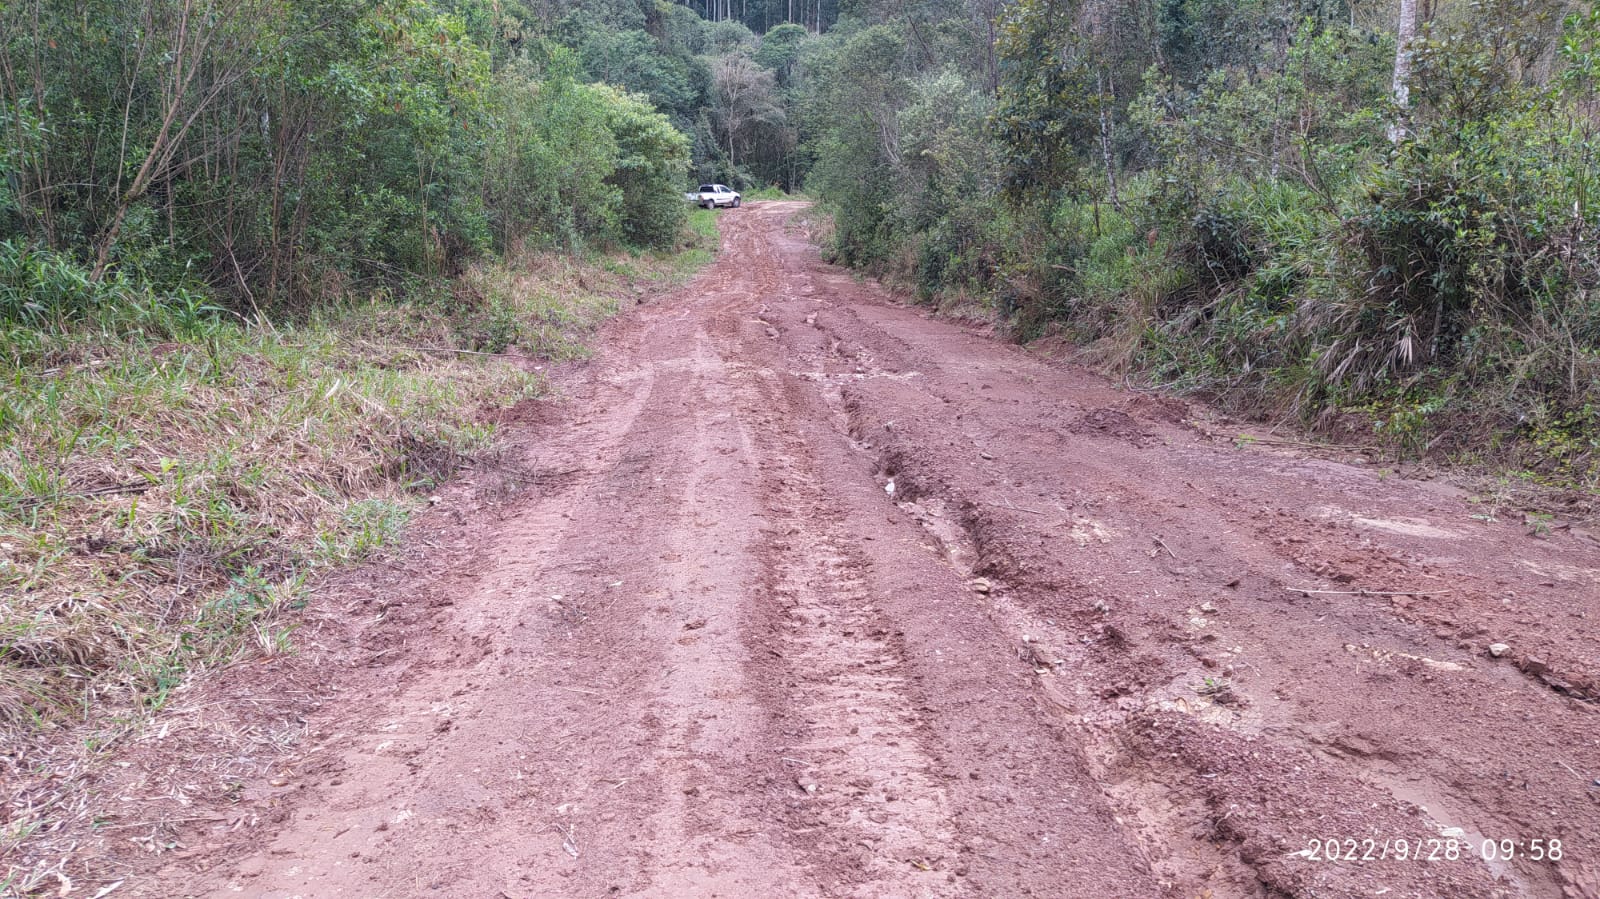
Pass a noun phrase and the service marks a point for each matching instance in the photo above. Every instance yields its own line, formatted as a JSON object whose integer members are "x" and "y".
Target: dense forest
{"x": 290, "y": 152}
{"x": 280, "y": 154}
{"x": 1274, "y": 202}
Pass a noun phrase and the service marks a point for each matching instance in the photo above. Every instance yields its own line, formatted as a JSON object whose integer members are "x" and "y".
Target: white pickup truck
{"x": 713, "y": 195}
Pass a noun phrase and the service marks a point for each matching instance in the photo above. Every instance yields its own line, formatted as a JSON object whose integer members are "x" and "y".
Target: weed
{"x": 364, "y": 527}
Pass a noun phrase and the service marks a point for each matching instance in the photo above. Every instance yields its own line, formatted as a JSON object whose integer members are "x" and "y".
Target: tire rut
{"x": 1188, "y": 821}
{"x": 853, "y": 738}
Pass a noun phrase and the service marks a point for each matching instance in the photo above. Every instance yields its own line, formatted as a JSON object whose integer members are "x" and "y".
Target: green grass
{"x": 705, "y": 237}
{"x": 770, "y": 192}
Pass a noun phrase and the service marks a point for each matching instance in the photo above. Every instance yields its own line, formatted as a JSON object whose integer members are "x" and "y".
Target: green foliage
{"x": 1227, "y": 198}
{"x": 40, "y": 289}
{"x": 549, "y": 165}
{"x": 272, "y": 151}
{"x": 947, "y": 181}
{"x": 1048, "y": 106}
{"x": 861, "y": 86}
{"x": 675, "y": 80}
{"x": 681, "y": 28}
{"x": 43, "y": 293}
{"x": 727, "y": 36}
{"x": 583, "y": 162}
{"x": 652, "y": 161}
{"x": 780, "y": 51}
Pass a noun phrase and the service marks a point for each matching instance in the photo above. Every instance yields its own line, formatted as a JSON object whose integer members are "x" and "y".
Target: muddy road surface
{"x": 818, "y": 596}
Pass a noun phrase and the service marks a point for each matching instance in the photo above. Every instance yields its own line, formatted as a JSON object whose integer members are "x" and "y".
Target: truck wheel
{"x": 736, "y": 202}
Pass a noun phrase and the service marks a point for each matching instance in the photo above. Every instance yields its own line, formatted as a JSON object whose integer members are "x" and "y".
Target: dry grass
{"x": 163, "y": 503}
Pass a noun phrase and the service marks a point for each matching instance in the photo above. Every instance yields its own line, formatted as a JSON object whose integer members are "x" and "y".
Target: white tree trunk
{"x": 1405, "y": 34}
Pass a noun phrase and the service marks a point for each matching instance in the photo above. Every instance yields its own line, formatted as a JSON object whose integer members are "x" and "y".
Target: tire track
{"x": 854, "y": 741}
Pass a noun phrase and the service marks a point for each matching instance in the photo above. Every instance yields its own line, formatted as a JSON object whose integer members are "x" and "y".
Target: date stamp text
{"x": 1431, "y": 849}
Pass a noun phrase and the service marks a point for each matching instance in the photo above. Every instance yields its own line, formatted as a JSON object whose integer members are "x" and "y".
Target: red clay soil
{"x": 811, "y": 594}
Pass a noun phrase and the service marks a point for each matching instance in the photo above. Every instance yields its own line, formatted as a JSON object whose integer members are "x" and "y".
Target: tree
{"x": 636, "y": 62}
{"x": 862, "y": 82}
{"x": 780, "y": 50}
{"x": 1405, "y": 35}
{"x": 652, "y": 162}
{"x": 1048, "y": 101}
{"x": 743, "y": 99}
{"x": 205, "y": 48}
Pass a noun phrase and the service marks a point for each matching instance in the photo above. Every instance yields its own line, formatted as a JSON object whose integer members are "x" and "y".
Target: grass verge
{"x": 168, "y": 489}
{"x": 770, "y": 192}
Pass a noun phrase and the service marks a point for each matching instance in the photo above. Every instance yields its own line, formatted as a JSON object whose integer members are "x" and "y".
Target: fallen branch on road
{"x": 1364, "y": 592}
{"x": 115, "y": 490}
{"x": 1016, "y": 508}
{"x": 449, "y": 349}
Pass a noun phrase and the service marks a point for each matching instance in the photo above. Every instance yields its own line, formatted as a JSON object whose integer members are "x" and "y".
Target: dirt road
{"x": 815, "y": 596}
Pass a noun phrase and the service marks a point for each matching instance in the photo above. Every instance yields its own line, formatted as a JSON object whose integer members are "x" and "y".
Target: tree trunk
{"x": 1105, "y": 100}
{"x": 1405, "y": 34}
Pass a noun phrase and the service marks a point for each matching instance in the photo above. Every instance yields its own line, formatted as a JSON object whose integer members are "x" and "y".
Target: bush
{"x": 43, "y": 294}
{"x": 41, "y": 289}
{"x": 652, "y": 161}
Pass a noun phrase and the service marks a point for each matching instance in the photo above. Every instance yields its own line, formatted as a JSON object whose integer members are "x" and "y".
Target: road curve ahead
{"x": 819, "y": 596}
